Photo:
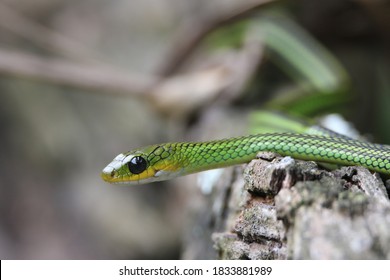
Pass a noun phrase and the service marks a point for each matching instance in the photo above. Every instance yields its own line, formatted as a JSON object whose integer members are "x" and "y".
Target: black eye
{"x": 137, "y": 165}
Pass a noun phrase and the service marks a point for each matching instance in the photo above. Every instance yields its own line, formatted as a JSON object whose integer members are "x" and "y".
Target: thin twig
{"x": 87, "y": 77}
{"x": 44, "y": 37}
{"x": 195, "y": 29}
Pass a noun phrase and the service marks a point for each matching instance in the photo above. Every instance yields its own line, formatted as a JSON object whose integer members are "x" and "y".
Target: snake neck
{"x": 195, "y": 157}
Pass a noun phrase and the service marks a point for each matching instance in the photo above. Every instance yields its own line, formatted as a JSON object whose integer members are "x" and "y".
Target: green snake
{"x": 166, "y": 161}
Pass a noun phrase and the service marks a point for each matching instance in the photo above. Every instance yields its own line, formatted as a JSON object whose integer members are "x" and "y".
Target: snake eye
{"x": 137, "y": 165}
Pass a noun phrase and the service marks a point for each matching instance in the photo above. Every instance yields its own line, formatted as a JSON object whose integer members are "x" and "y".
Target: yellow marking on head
{"x": 166, "y": 165}
{"x": 118, "y": 171}
{"x": 148, "y": 173}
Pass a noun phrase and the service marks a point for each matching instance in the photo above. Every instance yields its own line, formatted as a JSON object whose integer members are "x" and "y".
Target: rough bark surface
{"x": 284, "y": 208}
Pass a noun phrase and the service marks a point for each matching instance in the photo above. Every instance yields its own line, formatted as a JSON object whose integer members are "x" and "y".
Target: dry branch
{"x": 46, "y": 38}
{"x": 195, "y": 29}
{"x": 85, "y": 77}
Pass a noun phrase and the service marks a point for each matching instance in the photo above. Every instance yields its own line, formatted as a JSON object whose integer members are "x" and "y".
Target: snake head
{"x": 150, "y": 164}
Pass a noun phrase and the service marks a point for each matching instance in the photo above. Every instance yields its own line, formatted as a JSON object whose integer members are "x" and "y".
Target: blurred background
{"x": 82, "y": 81}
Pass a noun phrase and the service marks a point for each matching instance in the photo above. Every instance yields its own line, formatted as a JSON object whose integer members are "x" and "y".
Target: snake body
{"x": 169, "y": 160}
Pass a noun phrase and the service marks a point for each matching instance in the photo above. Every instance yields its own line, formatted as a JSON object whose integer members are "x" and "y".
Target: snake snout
{"x": 108, "y": 173}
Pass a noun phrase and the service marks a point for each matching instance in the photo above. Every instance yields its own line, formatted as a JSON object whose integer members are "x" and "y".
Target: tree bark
{"x": 282, "y": 208}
